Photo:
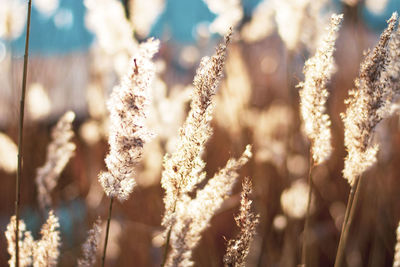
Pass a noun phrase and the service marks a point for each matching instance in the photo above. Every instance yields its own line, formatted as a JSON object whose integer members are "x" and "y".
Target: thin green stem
{"x": 349, "y": 215}
{"x": 307, "y": 219}
{"x": 166, "y": 247}
{"x": 103, "y": 259}
{"x": 20, "y": 134}
{"x": 168, "y": 239}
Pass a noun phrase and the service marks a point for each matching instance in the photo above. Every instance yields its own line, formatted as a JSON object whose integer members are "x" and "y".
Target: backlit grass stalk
{"x": 20, "y": 133}
{"x": 103, "y": 258}
{"x": 183, "y": 169}
{"x": 128, "y": 133}
{"x": 371, "y": 101}
{"x": 307, "y": 219}
{"x": 39, "y": 253}
{"x": 247, "y": 221}
{"x": 313, "y": 97}
{"x": 186, "y": 217}
{"x": 348, "y": 218}
{"x": 90, "y": 247}
{"x": 59, "y": 151}
{"x": 193, "y": 216}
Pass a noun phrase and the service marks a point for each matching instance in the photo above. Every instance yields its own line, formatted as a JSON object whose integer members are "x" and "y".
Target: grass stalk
{"x": 20, "y": 134}
{"x": 307, "y": 219}
{"x": 103, "y": 259}
{"x": 166, "y": 247}
{"x": 167, "y": 241}
{"x": 348, "y": 218}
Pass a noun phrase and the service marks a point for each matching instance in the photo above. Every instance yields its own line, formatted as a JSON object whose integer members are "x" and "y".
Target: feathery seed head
{"x": 42, "y": 253}
{"x": 59, "y": 151}
{"x": 313, "y": 95}
{"x": 128, "y": 133}
{"x": 46, "y": 250}
{"x": 192, "y": 216}
{"x": 247, "y": 221}
{"x": 183, "y": 169}
{"x": 25, "y": 241}
{"x": 371, "y": 101}
{"x": 185, "y": 217}
{"x": 90, "y": 246}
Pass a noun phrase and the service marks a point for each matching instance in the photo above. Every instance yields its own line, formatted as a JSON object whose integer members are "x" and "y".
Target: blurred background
{"x": 80, "y": 49}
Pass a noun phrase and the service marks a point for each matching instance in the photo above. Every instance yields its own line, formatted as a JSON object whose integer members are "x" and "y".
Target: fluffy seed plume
{"x": 238, "y": 249}
{"x": 46, "y": 250}
{"x": 90, "y": 246}
{"x": 128, "y": 134}
{"x": 59, "y": 151}
{"x": 192, "y": 216}
{"x": 42, "y": 253}
{"x": 25, "y": 240}
{"x": 185, "y": 218}
{"x": 371, "y": 101}
{"x": 313, "y": 95}
{"x": 183, "y": 169}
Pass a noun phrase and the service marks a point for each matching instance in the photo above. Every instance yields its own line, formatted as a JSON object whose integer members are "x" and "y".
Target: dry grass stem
{"x": 128, "y": 133}
{"x": 313, "y": 95}
{"x": 46, "y": 250}
{"x": 41, "y": 253}
{"x": 59, "y": 151}
{"x": 185, "y": 218}
{"x": 91, "y": 245}
{"x": 183, "y": 168}
{"x": 21, "y": 132}
{"x": 192, "y": 216}
{"x": 370, "y": 102}
{"x": 238, "y": 248}
{"x": 25, "y": 240}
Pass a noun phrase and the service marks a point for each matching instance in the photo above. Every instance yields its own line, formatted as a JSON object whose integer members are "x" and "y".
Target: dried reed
{"x": 368, "y": 104}
{"x": 40, "y": 253}
{"x": 91, "y": 245}
{"x": 183, "y": 169}
{"x": 313, "y": 97}
{"x": 238, "y": 248}
{"x": 20, "y": 133}
{"x": 59, "y": 151}
{"x": 128, "y": 134}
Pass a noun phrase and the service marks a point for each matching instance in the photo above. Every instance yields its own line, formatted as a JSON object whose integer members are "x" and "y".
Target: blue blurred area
{"x": 65, "y": 32}
{"x": 377, "y": 22}
{"x": 71, "y": 215}
{"x": 249, "y": 6}
{"x": 179, "y": 20}
{"x": 60, "y": 33}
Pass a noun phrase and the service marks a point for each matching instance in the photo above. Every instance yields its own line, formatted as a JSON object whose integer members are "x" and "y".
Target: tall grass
{"x": 20, "y": 134}
{"x": 167, "y": 152}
